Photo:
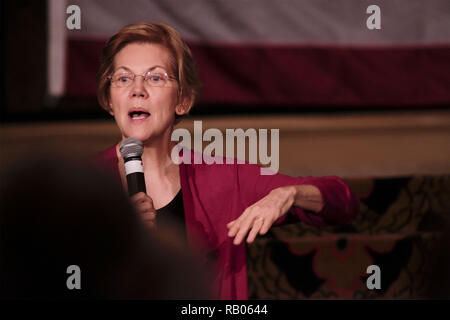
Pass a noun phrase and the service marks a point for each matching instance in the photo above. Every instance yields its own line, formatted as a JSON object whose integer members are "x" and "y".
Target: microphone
{"x": 131, "y": 150}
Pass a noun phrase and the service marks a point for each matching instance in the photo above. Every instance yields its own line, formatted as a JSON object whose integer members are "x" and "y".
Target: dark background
{"x": 24, "y": 61}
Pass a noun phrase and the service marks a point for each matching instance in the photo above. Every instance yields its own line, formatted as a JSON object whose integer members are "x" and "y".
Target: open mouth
{"x": 138, "y": 115}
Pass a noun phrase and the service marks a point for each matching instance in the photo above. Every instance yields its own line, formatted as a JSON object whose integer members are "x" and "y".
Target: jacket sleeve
{"x": 340, "y": 205}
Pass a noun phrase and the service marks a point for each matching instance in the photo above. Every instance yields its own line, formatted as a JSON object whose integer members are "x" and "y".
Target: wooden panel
{"x": 346, "y": 145}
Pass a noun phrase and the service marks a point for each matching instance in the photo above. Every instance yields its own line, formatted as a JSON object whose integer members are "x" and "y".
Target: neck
{"x": 156, "y": 157}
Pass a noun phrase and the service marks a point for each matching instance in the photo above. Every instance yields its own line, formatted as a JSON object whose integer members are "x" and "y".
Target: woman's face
{"x": 157, "y": 104}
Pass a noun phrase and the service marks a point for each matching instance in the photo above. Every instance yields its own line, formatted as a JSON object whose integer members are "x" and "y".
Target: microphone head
{"x": 131, "y": 147}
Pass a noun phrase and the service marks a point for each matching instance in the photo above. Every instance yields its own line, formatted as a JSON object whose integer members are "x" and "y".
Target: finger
{"x": 147, "y": 205}
{"x": 149, "y": 216}
{"x": 234, "y": 228}
{"x": 144, "y": 207}
{"x": 243, "y": 229}
{"x": 230, "y": 224}
{"x": 254, "y": 231}
{"x": 138, "y": 197}
{"x": 237, "y": 223}
{"x": 265, "y": 227}
{"x": 141, "y": 197}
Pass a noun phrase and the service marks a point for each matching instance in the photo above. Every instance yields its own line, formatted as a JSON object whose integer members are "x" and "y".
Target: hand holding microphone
{"x": 144, "y": 206}
{"x": 131, "y": 150}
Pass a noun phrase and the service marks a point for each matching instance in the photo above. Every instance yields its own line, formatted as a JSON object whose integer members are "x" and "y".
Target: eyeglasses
{"x": 155, "y": 78}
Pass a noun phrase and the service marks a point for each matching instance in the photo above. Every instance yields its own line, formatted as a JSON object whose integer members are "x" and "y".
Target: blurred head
{"x": 55, "y": 212}
{"x": 147, "y": 68}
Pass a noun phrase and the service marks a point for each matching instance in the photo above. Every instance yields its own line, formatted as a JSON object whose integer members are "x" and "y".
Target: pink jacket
{"x": 216, "y": 194}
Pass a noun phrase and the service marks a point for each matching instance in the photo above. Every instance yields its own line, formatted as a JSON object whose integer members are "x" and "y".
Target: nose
{"x": 138, "y": 89}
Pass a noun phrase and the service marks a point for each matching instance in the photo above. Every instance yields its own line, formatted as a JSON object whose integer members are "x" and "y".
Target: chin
{"x": 143, "y": 133}
{"x": 143, "y": 136}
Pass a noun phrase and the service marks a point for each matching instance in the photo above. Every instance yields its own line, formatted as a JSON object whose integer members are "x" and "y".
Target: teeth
{"x": 139, "y": 117}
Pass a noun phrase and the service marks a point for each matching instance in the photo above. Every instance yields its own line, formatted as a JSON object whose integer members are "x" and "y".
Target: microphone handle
{"x": 136, "y": 183}
{"x": 135, "y": 175}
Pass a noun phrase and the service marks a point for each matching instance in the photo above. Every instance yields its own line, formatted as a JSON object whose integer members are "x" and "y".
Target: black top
{"x": 172, "y": 214}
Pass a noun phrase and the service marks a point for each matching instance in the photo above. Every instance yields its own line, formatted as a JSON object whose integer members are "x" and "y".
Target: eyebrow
{"x": 149, "y": 69}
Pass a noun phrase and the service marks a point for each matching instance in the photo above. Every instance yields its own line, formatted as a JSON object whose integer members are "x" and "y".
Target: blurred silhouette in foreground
{"x": 56, "y": 212}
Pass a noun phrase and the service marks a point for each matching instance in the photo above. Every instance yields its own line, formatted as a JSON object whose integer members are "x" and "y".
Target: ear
{"x": 183, "y": 106}
{"x": 111, "y": 112}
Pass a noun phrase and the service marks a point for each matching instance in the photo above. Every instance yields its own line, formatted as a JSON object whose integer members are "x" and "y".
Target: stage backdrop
{"x": 277, "y": 53}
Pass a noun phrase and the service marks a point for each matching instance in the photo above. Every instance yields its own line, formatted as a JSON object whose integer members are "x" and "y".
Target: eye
{"x": 155, "y": 78}
{"x": 124, "y": 79}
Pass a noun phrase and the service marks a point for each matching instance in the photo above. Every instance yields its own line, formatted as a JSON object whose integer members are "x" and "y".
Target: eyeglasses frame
{"x": 168, "y": 78}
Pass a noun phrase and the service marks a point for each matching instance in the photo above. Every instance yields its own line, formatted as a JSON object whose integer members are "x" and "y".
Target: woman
{"x": 147, "y": 80}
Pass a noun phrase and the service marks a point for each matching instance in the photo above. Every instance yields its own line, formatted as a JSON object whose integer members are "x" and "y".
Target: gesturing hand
{"x": 144, "y": 206}
{"x": 260, "y": 216}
